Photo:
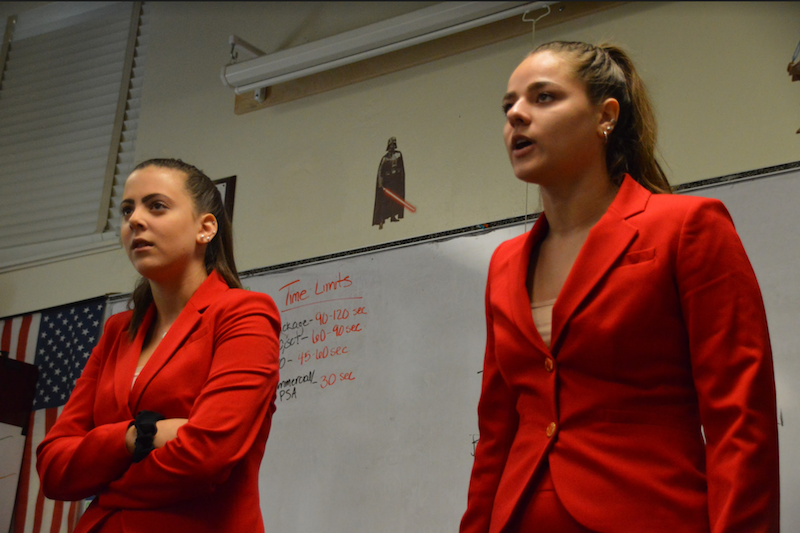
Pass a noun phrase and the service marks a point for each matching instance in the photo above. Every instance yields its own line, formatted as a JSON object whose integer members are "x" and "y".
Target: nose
{"x": 517, "y": 113}
{"x": 135, "y": 219}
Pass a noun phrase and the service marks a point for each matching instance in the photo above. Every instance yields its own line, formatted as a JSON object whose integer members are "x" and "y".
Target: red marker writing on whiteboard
{"x": 399, "y": 200}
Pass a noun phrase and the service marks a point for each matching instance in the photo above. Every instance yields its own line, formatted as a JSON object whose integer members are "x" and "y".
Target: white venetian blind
{"x": 59, "y": 101}
{"x": 127, "y": 145}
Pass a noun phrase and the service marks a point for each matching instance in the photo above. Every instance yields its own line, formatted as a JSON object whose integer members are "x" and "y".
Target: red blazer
{"x": 659, "y": 329}
{"x": 218, "y": 367}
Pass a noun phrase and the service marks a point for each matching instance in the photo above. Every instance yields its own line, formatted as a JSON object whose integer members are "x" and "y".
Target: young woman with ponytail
{"x": 628, "y": 383}
{"x": 167, "y": 425}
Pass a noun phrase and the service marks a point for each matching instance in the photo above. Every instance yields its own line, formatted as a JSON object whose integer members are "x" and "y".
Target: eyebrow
{"x": 535, "y": 86}
{"x": 144, "y": 200}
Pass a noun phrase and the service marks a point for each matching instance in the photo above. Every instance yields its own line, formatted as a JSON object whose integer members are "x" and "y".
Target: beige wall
{"x": 306, "y": 169}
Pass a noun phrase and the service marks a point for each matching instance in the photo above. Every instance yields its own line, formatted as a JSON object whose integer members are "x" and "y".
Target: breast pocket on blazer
{"x": 638, "y": 257}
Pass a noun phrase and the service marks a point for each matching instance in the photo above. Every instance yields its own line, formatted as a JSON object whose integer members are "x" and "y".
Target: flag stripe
{"x": 33, "y": 336}
{"x": 58, "y": 511}
{"x": 5, "y": 342}
{"x": 22, "y": 344}
{"x": 72, "y": 518}
{"x": 15, "y": 326}
{"x": 24, "y": 477}
{"x": 44, "y": 507}
{"x": 38, "y": 513}
{"x": 36, "y": 434}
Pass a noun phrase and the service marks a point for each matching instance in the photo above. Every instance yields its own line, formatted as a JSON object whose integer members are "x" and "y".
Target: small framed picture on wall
{"x": 227, "y": 188}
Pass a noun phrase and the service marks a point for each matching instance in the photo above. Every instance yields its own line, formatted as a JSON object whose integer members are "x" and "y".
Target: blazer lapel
{"x": 183, "y": 326}
{"x": 607, "y": 240}
{"x": 129, "y": 358}
{"x": 517, "y": 288}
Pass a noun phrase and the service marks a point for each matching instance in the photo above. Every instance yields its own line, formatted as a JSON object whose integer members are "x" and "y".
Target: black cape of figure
{"x": 392, "y": 176}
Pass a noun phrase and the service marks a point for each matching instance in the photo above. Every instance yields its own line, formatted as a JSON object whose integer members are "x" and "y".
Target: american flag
{"x": 58, "y": 341}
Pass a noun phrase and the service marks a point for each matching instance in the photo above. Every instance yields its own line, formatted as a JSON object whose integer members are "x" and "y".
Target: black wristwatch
{"x": 145, "y": 423}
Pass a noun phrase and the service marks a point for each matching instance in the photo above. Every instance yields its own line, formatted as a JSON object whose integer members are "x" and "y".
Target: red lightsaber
{"x": 399, "y": 200}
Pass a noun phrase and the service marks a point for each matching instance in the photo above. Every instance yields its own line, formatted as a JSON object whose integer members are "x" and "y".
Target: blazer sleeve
{"x": 497, "y": 423}
{"x": 233, "y": 406}
{"x": 732, "y": 368}
{"x": 78, "y": 459}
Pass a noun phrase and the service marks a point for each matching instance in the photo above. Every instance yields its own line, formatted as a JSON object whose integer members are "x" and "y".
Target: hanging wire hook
{"x": 534, "y": 21}
{"x": 533, "y": 44}
{"x": 234, "y": 53}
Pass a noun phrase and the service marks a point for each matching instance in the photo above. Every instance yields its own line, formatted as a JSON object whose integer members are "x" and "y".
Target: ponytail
{"x": 608, "y": 72}
{"x": 139, "y": 301}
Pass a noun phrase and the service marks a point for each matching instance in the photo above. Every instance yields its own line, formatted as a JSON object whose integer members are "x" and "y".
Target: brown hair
{"x": 608, "y": 72}
{"x": 219, "y": 252}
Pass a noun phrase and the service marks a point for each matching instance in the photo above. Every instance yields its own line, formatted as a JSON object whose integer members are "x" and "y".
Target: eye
{"x": 158, "y": 206}
{"x": 544, "y": 97}
{"x": 126, "y": 211}
{"x": 507, "y": 107}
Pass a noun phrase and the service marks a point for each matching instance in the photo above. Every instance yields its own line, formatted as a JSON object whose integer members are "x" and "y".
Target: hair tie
{"x": 146, "y": 430}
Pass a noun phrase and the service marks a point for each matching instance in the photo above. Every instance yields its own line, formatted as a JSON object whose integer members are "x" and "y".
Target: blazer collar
{"x": 183, "y": 326}
{"x": 607, "y": 240}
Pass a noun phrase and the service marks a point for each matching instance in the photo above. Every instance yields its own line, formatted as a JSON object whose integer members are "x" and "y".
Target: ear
{"x": 609, "y": 113}
{"x": 208, "y": 228}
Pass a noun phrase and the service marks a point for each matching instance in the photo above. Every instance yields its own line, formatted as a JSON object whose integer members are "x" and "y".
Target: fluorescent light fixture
{"x": 376, "y": 39}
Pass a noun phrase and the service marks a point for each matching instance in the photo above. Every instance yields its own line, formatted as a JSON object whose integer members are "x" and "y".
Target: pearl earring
{"x": 608, "y": 130}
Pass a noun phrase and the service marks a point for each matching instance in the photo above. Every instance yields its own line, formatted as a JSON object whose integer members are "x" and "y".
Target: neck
{"x": 170, "y": 296}
{"x": 577, "y": 205}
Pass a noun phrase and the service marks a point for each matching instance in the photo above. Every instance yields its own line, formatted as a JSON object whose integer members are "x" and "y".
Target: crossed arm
{"x": 194, "y": 455}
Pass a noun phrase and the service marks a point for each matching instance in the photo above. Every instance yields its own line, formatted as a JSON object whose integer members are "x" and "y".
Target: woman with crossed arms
{"x": 168, "y": 423}
{"x": 628, "y": 383}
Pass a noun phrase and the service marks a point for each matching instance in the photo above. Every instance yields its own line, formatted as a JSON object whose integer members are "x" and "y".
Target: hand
{"x": 130, "y": 439}
{"x": 166, "y": 430}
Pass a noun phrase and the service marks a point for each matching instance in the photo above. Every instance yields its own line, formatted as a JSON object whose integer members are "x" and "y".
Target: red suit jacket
{"x": 659, "y": 329}
{"x": 218, "y": 367}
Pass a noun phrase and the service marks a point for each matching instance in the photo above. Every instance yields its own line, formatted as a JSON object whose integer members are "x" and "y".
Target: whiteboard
{"x": 379, "y": 438}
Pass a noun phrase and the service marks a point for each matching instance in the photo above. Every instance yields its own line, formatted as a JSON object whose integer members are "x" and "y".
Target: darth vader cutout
{"x": 390, "y": 189}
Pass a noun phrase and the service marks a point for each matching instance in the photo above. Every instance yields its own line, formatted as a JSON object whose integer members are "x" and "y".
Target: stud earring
{"x": 608, "y": 130}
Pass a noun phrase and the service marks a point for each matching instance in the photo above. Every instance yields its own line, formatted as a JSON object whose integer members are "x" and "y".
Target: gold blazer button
{"x": 551, "y": 429}
{"x": 549, "y": 364}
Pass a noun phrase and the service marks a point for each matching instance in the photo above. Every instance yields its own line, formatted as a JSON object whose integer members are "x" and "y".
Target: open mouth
{"x": 522, "y": 143}
{"x": 519, "y": 143}
{"x": 139, "y": 244}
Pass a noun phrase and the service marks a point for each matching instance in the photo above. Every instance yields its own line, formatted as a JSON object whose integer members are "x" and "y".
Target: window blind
{"x": 127, "y": 144}
{"x": 61, "y": 125}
